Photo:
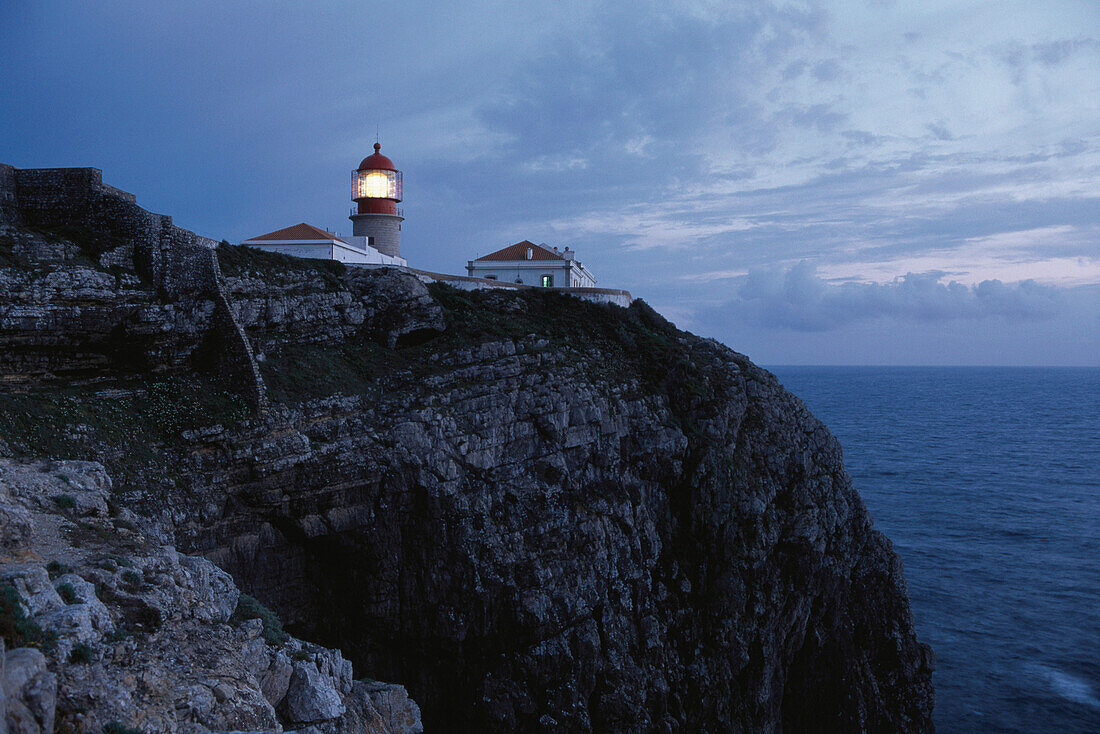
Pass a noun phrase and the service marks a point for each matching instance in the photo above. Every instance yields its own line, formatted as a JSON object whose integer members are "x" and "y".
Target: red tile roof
{"x": 301, "y": 231}
{"x": 518, "y": 251}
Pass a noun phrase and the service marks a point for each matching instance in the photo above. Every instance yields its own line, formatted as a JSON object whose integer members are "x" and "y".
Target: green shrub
{"x": 107, "y": 564}
{"x": 132, "y": 578}
{"x": 82, "y": 654}
{"x": 301, "y": 655}
{"x": 122, "y": 561}
{"x": 55, "y": 569}
{"x": 113, "y": 727}
{"x": 65, "y": 501}
{"x": 67, "y": 593}
{"x": 117, "y": 635}
{"x": 248, "y": 607}
{"x": 112, "y": 562}
{"x": 15, "y": 628}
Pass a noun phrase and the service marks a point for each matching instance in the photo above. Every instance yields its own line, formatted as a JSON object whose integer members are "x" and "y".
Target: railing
{"x": 399, "y": 210}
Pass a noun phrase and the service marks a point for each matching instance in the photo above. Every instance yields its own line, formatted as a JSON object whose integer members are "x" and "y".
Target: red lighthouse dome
{"x": 377, "y": 160}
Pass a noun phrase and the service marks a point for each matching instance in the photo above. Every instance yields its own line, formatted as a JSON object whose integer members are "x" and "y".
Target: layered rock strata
{"x": 118, "y": 629}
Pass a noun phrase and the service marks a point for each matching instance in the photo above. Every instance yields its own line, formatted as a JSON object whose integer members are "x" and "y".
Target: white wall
{"x": 317, "y": 251}
{"x": 358, "y": 252}
{"x": 566, "y": 273}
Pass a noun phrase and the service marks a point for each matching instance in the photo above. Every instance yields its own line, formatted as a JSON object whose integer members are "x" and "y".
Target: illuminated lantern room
{"x": 376, "y": 184}
{"x": 376, "y": 189}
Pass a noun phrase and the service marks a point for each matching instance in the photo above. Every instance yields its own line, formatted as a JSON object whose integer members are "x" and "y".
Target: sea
{"x": 987, "y": 480}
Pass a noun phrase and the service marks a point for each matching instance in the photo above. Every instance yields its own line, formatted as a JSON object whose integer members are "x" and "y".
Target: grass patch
{"x": 65, "y": 501}
{"x": 248, "y": 607}
{"x": 77, "y": 423}
{"x": 297, "y": 372}
{"x": 113, "y": 727}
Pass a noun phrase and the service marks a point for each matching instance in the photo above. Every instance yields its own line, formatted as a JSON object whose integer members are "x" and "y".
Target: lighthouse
{"x": 376, "y": 189}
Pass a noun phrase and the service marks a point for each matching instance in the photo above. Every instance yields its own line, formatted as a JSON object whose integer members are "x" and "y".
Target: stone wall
{"x": 178, "y": 261}
{"x": 181, "y": 265}
{"x": 385, "y": 229}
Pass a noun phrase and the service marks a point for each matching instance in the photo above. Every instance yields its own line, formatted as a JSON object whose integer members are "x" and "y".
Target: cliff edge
{"x": 536, "y": 513}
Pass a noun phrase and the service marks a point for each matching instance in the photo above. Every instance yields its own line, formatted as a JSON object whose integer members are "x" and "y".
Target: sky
{"x": 847, "y": 182}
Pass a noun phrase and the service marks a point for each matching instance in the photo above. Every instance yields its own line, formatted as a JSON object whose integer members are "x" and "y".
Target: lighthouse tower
{"x": 376, "y": 189}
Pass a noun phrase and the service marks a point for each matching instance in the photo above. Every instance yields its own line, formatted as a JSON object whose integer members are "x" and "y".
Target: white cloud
{"x": 1006, "y": 256}
{"x": 797, "y": 298}
{"x": 664, "y": 226}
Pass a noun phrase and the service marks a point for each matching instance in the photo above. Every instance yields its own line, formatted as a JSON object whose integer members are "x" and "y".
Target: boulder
{"x": 15, "y": 526}
{"x": 30, "y": 692}
{"x": 399, "y": 712}
{"x": 36, "y": 591}
{"x": 311, "y": 696}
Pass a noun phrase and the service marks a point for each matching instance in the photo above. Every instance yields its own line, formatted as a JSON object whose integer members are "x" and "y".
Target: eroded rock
{"x": 146, "y": 637}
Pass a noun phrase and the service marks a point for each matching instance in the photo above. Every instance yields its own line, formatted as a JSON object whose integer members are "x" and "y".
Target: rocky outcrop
{"x": 535, "y": 513}
{"x": 529, "y": 546}
{"x": 278, "y": 304}
{"x": 118, "y": 627}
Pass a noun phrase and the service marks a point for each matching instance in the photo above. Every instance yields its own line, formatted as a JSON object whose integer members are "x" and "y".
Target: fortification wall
{"x": 178, "y": 261}
{"x": 182, "y": 265}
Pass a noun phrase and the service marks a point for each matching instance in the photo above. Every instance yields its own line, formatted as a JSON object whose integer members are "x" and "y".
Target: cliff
{"x": 534, "y": 512}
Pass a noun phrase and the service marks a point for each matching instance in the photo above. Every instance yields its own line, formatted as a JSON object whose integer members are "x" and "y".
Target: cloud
{"x": 797, "y": 298}
{"x": 679, "y": 147}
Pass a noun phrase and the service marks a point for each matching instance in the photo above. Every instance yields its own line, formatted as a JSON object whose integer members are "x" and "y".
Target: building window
{"x": 548, "y": 281}
{"x": 490, "y": 277}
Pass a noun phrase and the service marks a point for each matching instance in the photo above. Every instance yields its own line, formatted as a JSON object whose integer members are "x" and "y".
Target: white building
{"x": 305, "y": 240}
{"x": 529, "y": 264}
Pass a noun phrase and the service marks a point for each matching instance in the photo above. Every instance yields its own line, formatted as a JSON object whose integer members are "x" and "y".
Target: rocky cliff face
{"x": 536, "y": 513}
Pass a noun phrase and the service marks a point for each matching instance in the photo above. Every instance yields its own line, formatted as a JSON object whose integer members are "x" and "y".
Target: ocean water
{"x": 988, "y": 482}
